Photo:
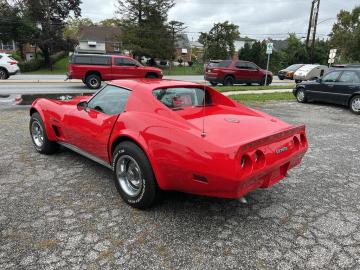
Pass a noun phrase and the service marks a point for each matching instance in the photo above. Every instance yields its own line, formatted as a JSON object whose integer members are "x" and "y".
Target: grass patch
{"x": 254, "y": 87}
{"x": 196, "y": 69}
{"x": 59, "y": 68}
{"x": 263, "y": 97}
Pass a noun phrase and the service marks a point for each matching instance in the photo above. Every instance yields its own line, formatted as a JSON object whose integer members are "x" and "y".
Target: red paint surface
{"x": 181, "y": 158}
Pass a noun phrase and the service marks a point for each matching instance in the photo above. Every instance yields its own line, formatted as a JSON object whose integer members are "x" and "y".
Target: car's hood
{"x": 233, "y": 127}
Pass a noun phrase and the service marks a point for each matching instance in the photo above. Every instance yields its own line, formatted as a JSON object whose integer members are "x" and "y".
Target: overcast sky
{"x": 256, "y": 18}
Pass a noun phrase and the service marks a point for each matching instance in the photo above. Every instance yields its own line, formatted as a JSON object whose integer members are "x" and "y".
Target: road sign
{"x": 332, "y": 56}
{"x": 331, "y": 61}
{"x": 269, "y": 48}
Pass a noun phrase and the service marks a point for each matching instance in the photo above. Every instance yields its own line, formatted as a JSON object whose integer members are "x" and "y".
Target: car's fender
{"x": 40, "y": 106}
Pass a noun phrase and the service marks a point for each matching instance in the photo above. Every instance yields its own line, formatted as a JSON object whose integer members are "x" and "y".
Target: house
{"x": 99, "y": 40}
{"x": 183, "y": 48}
{"x": 241, "y": 41}
{"x": 7, "y": 47}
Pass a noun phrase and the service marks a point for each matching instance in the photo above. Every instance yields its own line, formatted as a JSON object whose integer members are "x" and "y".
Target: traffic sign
{"x": 269, "y": 48}
{"x": 331, "y": 61}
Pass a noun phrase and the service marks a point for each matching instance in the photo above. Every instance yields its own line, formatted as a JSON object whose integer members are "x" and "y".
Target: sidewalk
{"x": 257, "y": 92}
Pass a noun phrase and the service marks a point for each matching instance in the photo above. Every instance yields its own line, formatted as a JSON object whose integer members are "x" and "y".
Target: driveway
{"x": 63, "y": 211}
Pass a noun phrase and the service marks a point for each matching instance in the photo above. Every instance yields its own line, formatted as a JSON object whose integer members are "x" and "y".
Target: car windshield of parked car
{"x": 331, "y": 77}
{"x": 294, "y": 67}
{"x": 177, "y": 98}
{"x": 349, "y": 77}
{"x": 110, "y": 100}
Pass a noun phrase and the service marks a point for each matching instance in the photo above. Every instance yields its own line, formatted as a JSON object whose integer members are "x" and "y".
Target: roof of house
{"x": 196, "y": 44}
{"x": 246, "y": 39}
{"x": 98, "y": 33}
{"x": 182, "y": 42}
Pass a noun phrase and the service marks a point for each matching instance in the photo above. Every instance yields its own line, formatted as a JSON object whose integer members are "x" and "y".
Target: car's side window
{"x": 349, "y": 77}
{"x": 331, "y": 77}
{"x": 252, "y": 66}
{"x": 241, "y": 65}
{"x": 125, "y": 62}
{"x": 110, "y": 100}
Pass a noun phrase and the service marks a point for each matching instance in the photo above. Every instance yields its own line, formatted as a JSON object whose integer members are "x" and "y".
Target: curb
{"x": 39, "y": 81}
{"x": 257, "y": 92}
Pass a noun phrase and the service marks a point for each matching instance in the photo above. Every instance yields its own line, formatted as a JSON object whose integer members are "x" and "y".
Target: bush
{"x": 16, "y": 56}
{"x": 32, "y": 65}
{"x": 190, "y": 63}
{"x": 57, "y": 56}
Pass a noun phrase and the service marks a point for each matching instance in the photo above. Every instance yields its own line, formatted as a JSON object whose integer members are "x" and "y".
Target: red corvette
{"x": 170, "y": 135}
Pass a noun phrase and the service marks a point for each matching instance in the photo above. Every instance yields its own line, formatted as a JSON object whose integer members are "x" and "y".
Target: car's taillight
{"x": 12, "y": 62}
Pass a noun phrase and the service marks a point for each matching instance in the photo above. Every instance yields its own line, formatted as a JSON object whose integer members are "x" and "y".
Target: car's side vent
{"x": 57, "y": 131}
{"x": 200, "y": 178}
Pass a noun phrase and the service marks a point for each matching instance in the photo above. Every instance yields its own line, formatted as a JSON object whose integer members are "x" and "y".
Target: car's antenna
{"x": 203, "y": 133}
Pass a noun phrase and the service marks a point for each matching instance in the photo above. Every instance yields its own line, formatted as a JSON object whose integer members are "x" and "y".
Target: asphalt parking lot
{"x": 63, "y": 211}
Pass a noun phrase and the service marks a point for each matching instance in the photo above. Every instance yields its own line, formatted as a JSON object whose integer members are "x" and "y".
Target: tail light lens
{"x": 12, "y": 62}
{"x": 246, "y": 164}
{"x": 303, "y": 139}
{"x": 259, "y": 158}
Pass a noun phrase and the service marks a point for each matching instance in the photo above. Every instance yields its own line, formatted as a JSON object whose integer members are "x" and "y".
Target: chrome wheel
{"x": 129, "y": 175}
{"x": 94, "y": 82}
{"x": 355, "y": 104}
{"x": 37, "y": 134}
{"x": 300, "y": 95}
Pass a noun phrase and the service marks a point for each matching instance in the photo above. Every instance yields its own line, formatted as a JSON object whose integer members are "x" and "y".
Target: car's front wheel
{"x": 133, "y": 175}
{"x": 355, "y": 104}
{"x": 214, "y": 83}
{"x": 301, "y": 96}
{"x": 39, "y": 138}
{"x": 229, "y": 81}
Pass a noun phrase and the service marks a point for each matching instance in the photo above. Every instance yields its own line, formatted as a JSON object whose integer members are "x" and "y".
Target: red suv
{"x": 92, "y": 69}
{"x": 229, "y": 72}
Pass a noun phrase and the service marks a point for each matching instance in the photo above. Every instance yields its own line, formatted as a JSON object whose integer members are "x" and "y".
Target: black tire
{"x": 3, "y": 74}
{"x": 354, "y": 104}
{"x": 281, "y": 78}
{"x": 229, "y": 81}
{"x": 93, "y": 81}
{"x": 249, "y": 84}
{"x": 144, "y": 194}
{"x": 301, "y": 96}
{"x": 214, "y": 83}
{"x": 42, "y": 144}
{"x": 151, "y": 76}
{"x": 269, "y": 81}
{"x": 298, "y": 81}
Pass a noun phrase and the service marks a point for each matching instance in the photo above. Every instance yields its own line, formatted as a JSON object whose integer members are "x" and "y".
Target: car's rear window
{"x": 91, "y": 60}
{"x": 225, "y": 63}
{"x": 179, "y": 97}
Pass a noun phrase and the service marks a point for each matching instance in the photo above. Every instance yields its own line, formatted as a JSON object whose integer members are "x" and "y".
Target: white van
{"x": 309, "y": 72}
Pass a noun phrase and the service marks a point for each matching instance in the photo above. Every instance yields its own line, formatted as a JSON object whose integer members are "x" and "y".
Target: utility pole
{"x": 314, "y": 15}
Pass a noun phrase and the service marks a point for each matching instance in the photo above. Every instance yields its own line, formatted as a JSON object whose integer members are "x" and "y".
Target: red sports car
{"x": 170, "y": 135}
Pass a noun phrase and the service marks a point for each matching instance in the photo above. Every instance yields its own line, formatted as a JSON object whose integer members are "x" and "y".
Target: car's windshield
{"x": 294, "y": 67}
{"x": 177, "y": 98}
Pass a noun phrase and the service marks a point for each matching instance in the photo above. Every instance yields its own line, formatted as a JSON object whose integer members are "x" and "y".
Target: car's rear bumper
{"x": 212, "y": 78}
{"x": 14, "y": 72}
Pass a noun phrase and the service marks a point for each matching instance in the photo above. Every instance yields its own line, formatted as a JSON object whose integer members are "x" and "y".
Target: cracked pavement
{"x": 63, "y": 211}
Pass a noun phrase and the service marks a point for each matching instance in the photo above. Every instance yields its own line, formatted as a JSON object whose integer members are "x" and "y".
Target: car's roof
{"x": 101, "y": 55}
{"x": 151, "y": 84}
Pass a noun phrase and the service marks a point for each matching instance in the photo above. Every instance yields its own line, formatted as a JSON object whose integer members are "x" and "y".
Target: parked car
{"x": 309, "y": 72}
{"x": 170, "y": 135}
{"x": 340, "y": 86}
{"x": 8, "y": 66}
{"x": 230, "y": 72}
{"x": 92, "y": 69}
{"x": 288, "y": 73}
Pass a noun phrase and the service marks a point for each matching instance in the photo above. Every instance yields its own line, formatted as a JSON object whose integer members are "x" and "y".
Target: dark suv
{"x": 229, "y": 72}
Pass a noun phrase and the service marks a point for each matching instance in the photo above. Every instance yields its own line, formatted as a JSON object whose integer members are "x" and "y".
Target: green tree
{"x": 144, "y": 29}
{"x": 73, "y": 25}
{"x": 111, "y": 22}
{"x": 49, "y": 16}
{"x": 345, "y": 35}
{"x": 14, "y": 26}
{"x": 219, "y": 42}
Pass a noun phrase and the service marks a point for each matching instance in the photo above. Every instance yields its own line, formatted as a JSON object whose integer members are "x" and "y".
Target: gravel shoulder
{"x": 63, "y": 211}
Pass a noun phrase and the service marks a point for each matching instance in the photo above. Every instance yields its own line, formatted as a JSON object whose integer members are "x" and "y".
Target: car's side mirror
{"x": 82, "y": 105}
{"x": 319, "y": 80}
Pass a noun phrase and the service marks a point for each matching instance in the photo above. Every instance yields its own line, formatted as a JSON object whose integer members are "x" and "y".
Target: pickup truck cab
{"x": 93, "y": 69}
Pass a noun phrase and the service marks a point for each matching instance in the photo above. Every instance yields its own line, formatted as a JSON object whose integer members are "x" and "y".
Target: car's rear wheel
{"x": 301, "y": 96}
{"x": 249, "y": 84}
{"x": 93, "y": 81}
{"x": 298, "y": 81}
{"x": 281, "y": 78}
{"x": 39, "y": 138}
{"x": 355, "y": 104}
{"x": 3, "y": 74}
{"x": 214, "y": 83}
{"x": 268, "y": 82}
{"x": 133, "y": 175}
{"x": 229, "y": 81}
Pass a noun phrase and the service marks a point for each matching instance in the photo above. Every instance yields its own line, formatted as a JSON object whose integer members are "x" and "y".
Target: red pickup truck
{"x": 92, "y": 69}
